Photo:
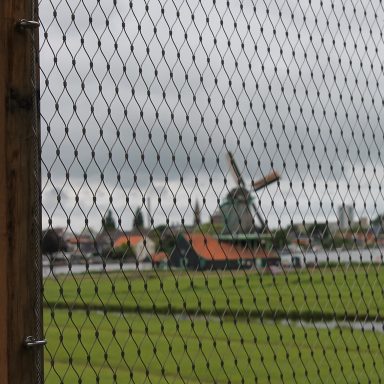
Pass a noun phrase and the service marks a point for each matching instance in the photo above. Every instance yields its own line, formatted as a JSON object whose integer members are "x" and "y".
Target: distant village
{"x": 236, "y": 236}
{"x": 218, "y": 243}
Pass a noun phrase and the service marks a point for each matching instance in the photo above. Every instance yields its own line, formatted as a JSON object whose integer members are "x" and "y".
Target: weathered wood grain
{"x": 17, "y": 196}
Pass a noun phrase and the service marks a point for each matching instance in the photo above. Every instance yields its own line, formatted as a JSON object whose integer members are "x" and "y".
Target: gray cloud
{"x": 294, "y": 87}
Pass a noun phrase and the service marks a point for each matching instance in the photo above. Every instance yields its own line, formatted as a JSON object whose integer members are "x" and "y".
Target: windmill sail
{"x": 235, "y": 169}
{"x": 239, "y": 206}
{"x": 266, "y": 180}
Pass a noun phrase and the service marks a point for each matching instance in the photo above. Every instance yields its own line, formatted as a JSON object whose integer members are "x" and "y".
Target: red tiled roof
{"x": 130, "y": 240}
{"x": 210, "y": 248}
{"x": 159, "y": 256}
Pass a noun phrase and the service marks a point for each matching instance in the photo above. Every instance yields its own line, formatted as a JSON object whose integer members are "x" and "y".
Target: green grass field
{"x": 327, "y": 293}
{"x": 184, "y": 340}
{"x": 117, "y": 348}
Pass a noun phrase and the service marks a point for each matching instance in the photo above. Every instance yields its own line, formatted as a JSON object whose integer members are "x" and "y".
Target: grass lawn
{"x": 165, "y": 327}
{"x": 117, "y": 348}
{"x": 320, "y": 294}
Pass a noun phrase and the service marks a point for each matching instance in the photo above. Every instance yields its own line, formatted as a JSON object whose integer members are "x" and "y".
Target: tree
{"x": 280, "y": 239}
{"x": 138, "y": 220}
{"x": 51, "y": 243}
{"x": 124, "y": 252}
{"x": 164, "y": 239}
{"x": 197, "y": 213}
{"x": 108, "y": 221}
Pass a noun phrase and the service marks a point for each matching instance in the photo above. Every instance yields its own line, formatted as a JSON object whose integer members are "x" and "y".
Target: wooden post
{"x": 17, "y": 196}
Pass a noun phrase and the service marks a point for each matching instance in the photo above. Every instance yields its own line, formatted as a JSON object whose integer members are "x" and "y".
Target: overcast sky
{"x": 146, "y": 97}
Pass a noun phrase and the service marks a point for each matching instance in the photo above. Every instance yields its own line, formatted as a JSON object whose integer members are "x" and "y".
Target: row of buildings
{"x": 237, "y": 243}
{"x": 191, "y": 250}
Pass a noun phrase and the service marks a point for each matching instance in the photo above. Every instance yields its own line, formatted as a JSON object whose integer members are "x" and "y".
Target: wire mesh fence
{"x": 211, "y": 191}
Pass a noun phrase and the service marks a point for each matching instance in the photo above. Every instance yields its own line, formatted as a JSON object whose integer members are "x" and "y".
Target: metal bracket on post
{"x": 27, "y": 24}
{"x": 31, "y": 341}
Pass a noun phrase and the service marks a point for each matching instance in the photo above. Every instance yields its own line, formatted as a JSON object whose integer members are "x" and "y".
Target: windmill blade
{"x": 261, "y": 220}
{"x": 266, "y": 180}
{"x": 235, "y": 170}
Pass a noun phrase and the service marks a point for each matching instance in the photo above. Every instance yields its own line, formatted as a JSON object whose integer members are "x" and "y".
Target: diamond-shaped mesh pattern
{"x": 211, "y": 191}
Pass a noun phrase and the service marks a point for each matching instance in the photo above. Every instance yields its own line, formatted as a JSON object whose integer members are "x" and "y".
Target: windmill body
{"x": 242, "y": 222}
{"x": 237, "y": 212}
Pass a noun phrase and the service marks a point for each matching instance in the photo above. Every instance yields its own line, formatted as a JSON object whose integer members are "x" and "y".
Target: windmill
{"x": 239, "y": 208}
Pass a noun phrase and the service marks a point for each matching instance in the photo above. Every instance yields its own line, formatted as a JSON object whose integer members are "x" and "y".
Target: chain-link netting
{"x": 211, "y": 191}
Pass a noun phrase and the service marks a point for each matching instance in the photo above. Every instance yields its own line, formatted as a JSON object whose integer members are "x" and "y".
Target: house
{"x": 106, "y": 239}
{"x": 142, "y": 246}
{"x": 198, "y": 251}
{"x": 81, "y": 244}
{"x": 160, "y": 259}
